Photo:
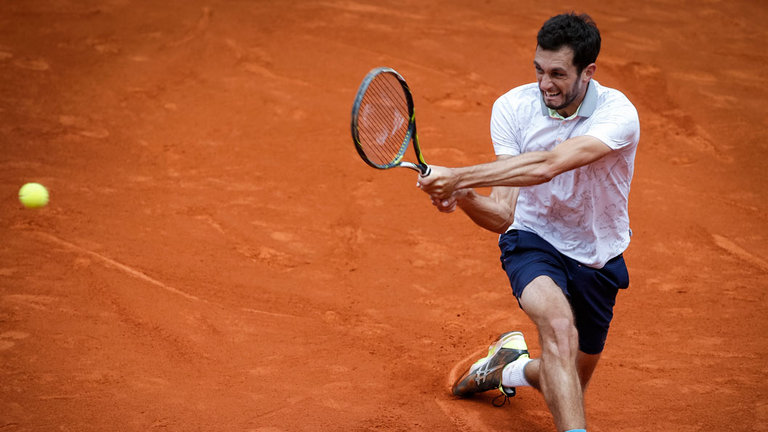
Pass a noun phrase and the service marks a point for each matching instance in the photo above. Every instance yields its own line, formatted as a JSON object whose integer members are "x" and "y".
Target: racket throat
{"x": 424, "y": 170}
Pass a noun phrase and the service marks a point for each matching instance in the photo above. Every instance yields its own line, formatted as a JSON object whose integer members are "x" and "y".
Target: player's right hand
{"x": 441, "y": 182}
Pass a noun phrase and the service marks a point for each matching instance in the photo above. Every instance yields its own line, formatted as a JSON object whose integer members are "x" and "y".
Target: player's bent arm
{"x": 494, "y": 212}
{"x": 533, "y": 168}
{"x": 526, "y": 169}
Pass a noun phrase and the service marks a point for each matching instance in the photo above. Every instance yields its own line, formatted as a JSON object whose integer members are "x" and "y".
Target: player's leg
{"x": 593, "y": 295}
{"x": 538, "y": 277}
{"x": 585, "y": 367}
{"x": 544, "y": 302}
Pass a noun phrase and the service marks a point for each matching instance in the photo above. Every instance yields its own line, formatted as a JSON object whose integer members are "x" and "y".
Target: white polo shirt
{"x": 583, "y": 212}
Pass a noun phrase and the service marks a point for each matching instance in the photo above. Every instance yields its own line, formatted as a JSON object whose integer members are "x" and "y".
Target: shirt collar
{"x": 586, "y": 108}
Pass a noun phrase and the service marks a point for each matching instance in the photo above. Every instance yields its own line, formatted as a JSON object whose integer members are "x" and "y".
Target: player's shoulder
{"x": 525, "y": 92}
{"x": 609, "y": 95}
{"x": 522, "y": 99}
{"x": 612, "y": 101}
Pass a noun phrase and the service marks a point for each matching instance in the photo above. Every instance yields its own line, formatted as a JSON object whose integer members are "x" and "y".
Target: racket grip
{"x": 426, "y": 170}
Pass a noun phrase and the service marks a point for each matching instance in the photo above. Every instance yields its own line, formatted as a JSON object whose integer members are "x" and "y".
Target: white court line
{"x": 273, "y": 314}
{"x": 112, "y": 263}
{"x": 139, "y": 275}
{"x": 740, "y": 252}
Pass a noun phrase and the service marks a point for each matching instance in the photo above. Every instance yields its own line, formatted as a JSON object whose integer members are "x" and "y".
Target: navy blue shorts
{"x": 591, "y": 292}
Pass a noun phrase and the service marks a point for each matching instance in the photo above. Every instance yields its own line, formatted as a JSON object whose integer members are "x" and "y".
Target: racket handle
{"x": 425, "y": 169}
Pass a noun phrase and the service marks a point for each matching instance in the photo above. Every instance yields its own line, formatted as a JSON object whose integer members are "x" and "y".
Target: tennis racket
{"x": 383, "y": 123}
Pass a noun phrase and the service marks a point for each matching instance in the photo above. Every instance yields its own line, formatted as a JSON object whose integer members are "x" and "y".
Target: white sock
{"x": 513, "y": 374}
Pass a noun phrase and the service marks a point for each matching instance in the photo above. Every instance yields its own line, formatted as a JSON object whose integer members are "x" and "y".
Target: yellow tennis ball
{"x": 33, "y": 195}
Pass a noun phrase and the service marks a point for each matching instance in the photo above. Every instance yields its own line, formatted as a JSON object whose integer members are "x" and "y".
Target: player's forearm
{"x": 526, "y": 169}
{"x": 486, "y": 212}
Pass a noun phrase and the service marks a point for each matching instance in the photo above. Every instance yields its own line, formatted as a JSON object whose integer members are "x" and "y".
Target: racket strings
{"x": 386, "y": 125}
{"x": 384, "y": 120}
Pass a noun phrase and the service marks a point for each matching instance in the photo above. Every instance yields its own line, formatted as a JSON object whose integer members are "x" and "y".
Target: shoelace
{"x": 503, "y": 396}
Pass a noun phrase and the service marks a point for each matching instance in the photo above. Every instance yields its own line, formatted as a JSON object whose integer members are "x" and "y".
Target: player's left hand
{"x": 450, "y": 204}
{"x": 446, "y": 205}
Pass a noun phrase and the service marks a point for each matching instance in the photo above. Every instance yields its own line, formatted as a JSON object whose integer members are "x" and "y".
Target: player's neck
{"x": 573, "y": 107}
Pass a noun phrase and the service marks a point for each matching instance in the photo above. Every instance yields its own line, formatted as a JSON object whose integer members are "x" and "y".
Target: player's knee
{"x": 561, "y": 337}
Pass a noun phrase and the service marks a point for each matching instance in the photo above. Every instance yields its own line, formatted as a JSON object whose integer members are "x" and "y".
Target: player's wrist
{"x": 458, "y": 178}
{"x": 465, "y": 193}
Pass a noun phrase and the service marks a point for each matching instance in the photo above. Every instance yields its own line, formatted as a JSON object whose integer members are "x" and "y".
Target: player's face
{"x": 561, "y": 85}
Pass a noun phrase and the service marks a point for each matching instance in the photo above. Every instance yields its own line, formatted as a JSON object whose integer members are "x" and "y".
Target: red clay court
{"x": 215, "y": 256}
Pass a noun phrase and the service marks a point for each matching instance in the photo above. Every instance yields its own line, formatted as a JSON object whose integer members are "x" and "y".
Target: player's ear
{"x": 588, "y": 72}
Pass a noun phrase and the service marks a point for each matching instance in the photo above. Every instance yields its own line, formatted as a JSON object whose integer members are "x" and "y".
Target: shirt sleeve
{"x": 504, "y": 135}
{"x": 616, "y": 124}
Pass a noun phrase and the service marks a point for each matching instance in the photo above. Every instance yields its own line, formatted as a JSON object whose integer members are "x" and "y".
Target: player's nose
{"x": 545, "y": 83}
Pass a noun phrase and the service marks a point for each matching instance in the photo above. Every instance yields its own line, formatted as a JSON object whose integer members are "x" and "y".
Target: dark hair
{"x": 578, "y": 32}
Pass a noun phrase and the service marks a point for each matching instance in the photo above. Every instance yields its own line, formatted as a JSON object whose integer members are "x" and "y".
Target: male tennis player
{"x": 565, "y": 149}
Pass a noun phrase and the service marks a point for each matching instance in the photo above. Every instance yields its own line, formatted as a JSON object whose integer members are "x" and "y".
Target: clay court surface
{"x": 216, "y": 257}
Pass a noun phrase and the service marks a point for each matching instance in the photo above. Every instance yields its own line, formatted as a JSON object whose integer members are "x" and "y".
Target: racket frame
{"x": 411, "y": 135}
